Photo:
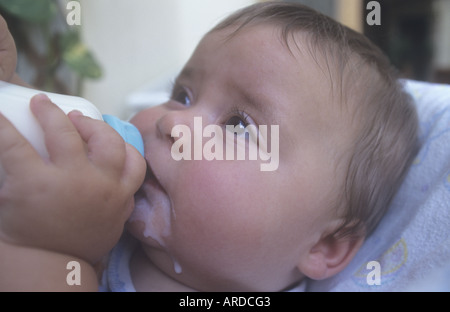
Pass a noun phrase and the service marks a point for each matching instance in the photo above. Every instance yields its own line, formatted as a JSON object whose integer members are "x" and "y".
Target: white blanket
{"x": 412, "y": 242}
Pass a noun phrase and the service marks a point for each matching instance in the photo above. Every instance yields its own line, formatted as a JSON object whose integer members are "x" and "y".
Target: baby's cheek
{"x": 217, "y": 216}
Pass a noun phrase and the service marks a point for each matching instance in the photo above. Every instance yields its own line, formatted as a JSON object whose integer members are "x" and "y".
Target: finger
{"x": 106, "y": 148}
{"x": 8, "y": 54}
{"x": 62, "y": 140}
{"x": 16, "y": 153}
{"x": 134, "y": 171}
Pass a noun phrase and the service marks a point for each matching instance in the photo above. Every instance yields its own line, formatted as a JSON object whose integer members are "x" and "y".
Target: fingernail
{"x": 41, "y": 97}
{"x": 76, "y": 113}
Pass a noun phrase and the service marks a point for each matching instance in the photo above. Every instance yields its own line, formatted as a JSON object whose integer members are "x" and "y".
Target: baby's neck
{"x": 147, "y": 277}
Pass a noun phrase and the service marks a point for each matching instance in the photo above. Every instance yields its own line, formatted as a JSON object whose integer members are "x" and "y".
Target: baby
{"x": 347, "y": 134}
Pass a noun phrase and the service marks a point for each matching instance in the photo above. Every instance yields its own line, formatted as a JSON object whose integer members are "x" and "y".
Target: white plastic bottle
{"x": 15, "y": 105}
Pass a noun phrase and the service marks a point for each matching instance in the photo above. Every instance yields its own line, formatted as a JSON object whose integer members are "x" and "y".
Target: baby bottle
{"x": 15, "y": 105}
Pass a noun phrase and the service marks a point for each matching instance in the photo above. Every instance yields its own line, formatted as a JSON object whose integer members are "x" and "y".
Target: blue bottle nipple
{"x": 128, "y": 132}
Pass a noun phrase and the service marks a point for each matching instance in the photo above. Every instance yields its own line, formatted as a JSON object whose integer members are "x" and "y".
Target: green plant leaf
{"x": 34, "y": 11}
{"x": 78, "y": 57}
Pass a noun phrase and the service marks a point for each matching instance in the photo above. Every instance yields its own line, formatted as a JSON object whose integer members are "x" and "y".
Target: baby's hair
{"x": 387, "y": 122}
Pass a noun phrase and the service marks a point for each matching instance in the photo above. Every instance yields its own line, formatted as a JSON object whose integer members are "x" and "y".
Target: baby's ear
{"x": 330, "y": 255}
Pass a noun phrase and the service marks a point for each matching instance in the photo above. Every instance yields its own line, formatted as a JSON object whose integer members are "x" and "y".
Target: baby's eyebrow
{"x": 256, "y": 102}
{"x": 187, "y": 73}
{"x": 253, "y": 101}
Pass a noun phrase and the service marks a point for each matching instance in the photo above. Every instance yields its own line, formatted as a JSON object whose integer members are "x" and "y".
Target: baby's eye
{"x": 180, "y": 95}
{"x": 238, "y": 124}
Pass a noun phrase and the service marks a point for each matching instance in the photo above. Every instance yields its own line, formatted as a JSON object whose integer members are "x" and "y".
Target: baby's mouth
{"x": 152, "y": 208}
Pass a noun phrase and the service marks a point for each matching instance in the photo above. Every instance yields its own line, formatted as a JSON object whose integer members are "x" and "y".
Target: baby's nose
{"x": 172, "y": 120}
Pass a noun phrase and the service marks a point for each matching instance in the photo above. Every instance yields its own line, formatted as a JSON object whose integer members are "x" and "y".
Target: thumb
{"x": 8, "y": 53}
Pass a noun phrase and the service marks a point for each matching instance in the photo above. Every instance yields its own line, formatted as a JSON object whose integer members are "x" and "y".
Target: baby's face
{"x": 226, "y": 224}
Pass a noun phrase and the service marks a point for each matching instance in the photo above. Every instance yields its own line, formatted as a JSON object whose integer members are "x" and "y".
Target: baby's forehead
{"x": 326, "y": 55}
{"x": 297, "y": 52}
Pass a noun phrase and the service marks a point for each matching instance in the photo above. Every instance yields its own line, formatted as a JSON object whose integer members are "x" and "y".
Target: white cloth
{"x": 116, "y": 277}
{"x": 412, "y": 242}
